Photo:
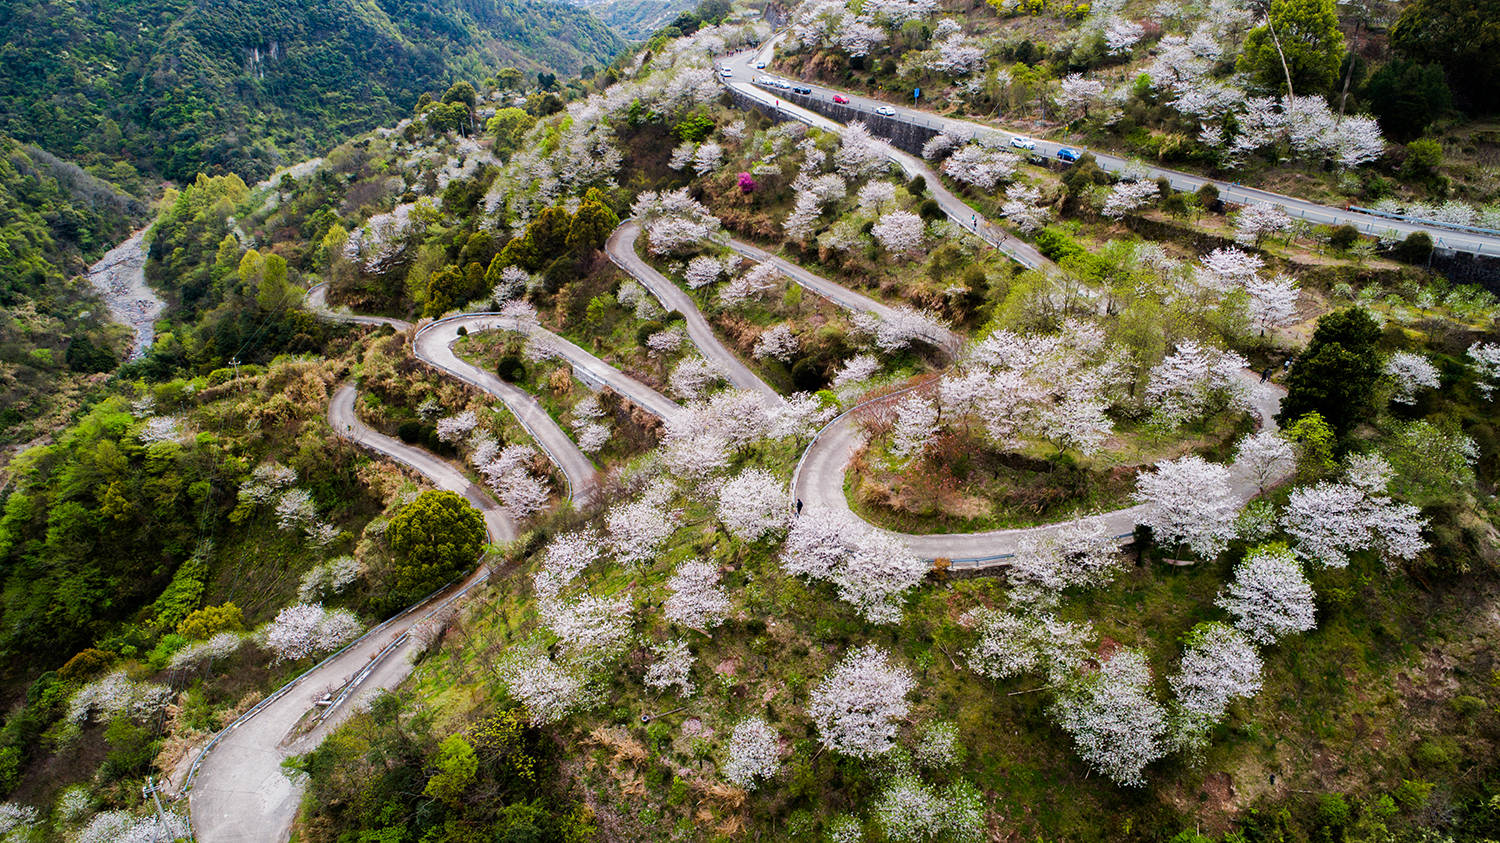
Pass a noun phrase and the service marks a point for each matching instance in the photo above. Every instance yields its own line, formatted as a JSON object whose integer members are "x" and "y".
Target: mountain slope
{"x": 244, "y": 85}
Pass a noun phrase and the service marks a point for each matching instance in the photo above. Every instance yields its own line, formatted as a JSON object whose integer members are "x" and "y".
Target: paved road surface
{"x": 838, "y": 294}
{"x": 317, "y": 302}
{"x": 621, "y": 249}
{"x": 240, "y": 794}
{"x": 819, "y": 484}
{"x": 742, "y": 65}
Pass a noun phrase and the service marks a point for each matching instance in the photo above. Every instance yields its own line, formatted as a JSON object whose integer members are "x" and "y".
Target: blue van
{"x": 1068, "y": 154}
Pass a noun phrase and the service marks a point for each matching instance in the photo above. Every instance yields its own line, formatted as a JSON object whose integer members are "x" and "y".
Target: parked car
{"x": 885, "y": 110}
{"x": 727, "y": 73}
{"x": 760, "y": 65}
{"x": 841, "y": 99}
{"x": 1022, "y": 143}
{"x": 782, "y": 84}
{"x": 1068, "y": 154}
{"x": 801, "y": 89}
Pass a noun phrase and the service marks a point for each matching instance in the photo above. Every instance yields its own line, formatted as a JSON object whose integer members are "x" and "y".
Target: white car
{"x": 782, "y": 84}
{"x": 726, "y": 73}
{"x": 885, "y": 110}
{"x": 760, "y": 65}
{"x": 1022, "y": 143}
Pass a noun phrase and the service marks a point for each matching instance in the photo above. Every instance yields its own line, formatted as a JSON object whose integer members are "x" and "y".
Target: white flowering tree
{"x": 567, "y": 556}
{"x": 1189, "y": 502}
{"x": 702, "y": 271}
{"x": 870, "y": 569}
{"x": 1409, "y": 373}
{"x": 981, "y": 165}
{"x": 1328, "y": 521}
{"x": 875, "y": 196}
{"x": 1116, "y": 722}
{"x": 116, "y": 695}
{"x": 1023, "y": 207}
{"x": 1270, "y": 596}
{"x": 1078, "y": 554}
{"x": 858, "y": 705}
{"x": 674, "y": 222}
{"x": 754, "y": 753}
{"x": 1227, "y": 268}
{"x": 1129, "y": 196}
{"x": 1009, "y": 644}
{"x": 306, "y": 629}
{"x": 753, "y": 504}
{"x": 777, "y": 342}
{"x": 1219, "y": 665}
{"x": 1273, "y": 301}
{"x": 1194, "y": 381}
{"x": 916, "y": 424}
{"x": 756, "y": 283}
{"x": 549, "y": 690}
{"x": 636, "y": 530}
{"x": 590, "y": 628}
{"x": 1260, "y": 220}
{"x": 859, "y": 154}
{"x": 1075, "y": 92}
{"x": 899, "y": 233}
{"x": 1266, "y": 456}
{"x": 1485, "y": 358}
{"x": 697, "y": 600}
{"x": 672, "y": 668}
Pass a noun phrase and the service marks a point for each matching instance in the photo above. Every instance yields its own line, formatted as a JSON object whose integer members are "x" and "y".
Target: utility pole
{"x": 161, "y": 813}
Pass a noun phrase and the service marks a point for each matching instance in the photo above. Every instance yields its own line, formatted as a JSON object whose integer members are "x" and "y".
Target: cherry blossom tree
{"x": 637, "y": 529}
{"x": 697, "y": 601}
{"x": 1227, "y": 268}
{"x": 754, "y": 753}
{"x": 1128, "y": 196}
{"x": 117, "y": 695}
{"x": 857, "y": 706}
{"x": 160, "y": 429}
{"x": 1219, "y": 665}
{"x": 875, "y": 195}
{"x": 1189, "y": 502}
{"x": 682, "y": 155}
{"x": 1075, "y": 92}
{"x": 799, "y": 417}
{"x": 673, "y": 667}
{"x": 549, "y": 690}
{"x": 304, "y": 629}
{"x": 1410, "y": 372}
{"x": 899, "y": 233}
{"x": 265, "y": 483}
{"x": 1260, "y": 220}
{"x": 757, "y": 283}
{"x": 692, "y": 376}
{"x": 125, "y": 827}
{"x": 856, "y": 370}
{"x": 1328, "y": 521}
{"x": 567, "y": 555}
{"x": 1194, "y": 381}
{"x": 674, "y": 222}
{"x": 590, "y": 628}
{"x": 708, "y": 158}
{"x": 1116, "y": 723}
{"x": 860, "y": 154}
{"x": 328, "y": 579}
{"x": 1269, "y": 597}
{"x": 1008, "y": 644}
{"x": 1485, "y": 358}
{"x": 916, "y": 424}
{"x": 514, "y": 282}
{"x": 753, "y": 504}
{"x": 858, "y": 38}
{"x": 981, "y": 165}
{"x": 777, "y": 342}
{"x": 296, "y": 510}
{"x": 1265, "y": 456}
{"x": 802, "y": 219}
{"x": 956, "y": 55}
{"x": 870, "y": 569}
{"x": 899, "y": 327}
{"x": 694, "y": 447}
{"x": 702, "y": 271}
{"x": 1023, "y": 207}
{"x": 1273, "y": 301}
{"x": 1078, "y": 554}
{"x": 455, "y": 428}
{"x": 1121, "y": 35}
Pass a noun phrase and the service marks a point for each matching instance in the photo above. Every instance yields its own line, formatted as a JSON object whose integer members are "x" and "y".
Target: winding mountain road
{"x": 742, "y": 66}
{"x": 621, "y": 249}
{"x": 239, "y": 792}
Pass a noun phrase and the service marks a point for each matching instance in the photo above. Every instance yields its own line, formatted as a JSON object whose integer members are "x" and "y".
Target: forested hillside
{"x": 54, "y": 218}
{"x": 176, "y": 88}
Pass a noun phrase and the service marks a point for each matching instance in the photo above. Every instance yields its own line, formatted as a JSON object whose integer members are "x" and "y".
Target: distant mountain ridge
{"x": 176, "y": 88}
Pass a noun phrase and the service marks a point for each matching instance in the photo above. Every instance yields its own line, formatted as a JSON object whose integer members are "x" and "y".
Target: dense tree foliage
{"x": 434, "y": 538}
{"x": 1336, "y": 375}
{"x": 1300, "y": 39}
{"x": 1463, "y": 37}
{"x": 179, "y": 88}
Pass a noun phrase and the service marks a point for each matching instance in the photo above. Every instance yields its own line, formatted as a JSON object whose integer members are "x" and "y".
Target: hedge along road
{"x": 240, "y": 794}
{"x": 742, "y": 65}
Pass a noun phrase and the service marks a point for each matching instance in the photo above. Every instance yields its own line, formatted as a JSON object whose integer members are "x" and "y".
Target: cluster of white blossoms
{"x": 590, "y": 429}
{"x": 756, "y": 283}
{"x": 115, "y": 695}
{"x": 1329, "y": 520}
{"x": 674, "y": 222}
{"x": 1219, "y": 665}
{"x": 549, "y": 689}
{"x": 754, "y": 753}
{"x": 591, "y": 628}
{"x": 831, "y": 23}
{"x": 382, "y": 242}
{"x": 512, "y": 474}
{"x": 1116, "y": 723}
{"x": 1485, "y": 358}
{"x": 1194, "y": 381}
{"x": 1128, "y": 196}
{"x": 1410, "y": 372}
{"x": 984, "y": 165}
{"x": 1269, "y": 596}
{"x": 306, "y": 629}
{"x": 222, "y": 645}
{"x": 899, "y": 327}
{"x": 160, "y": 429}
{"x": 1054, "y": 387}
{"x": 456, "y": 427}
{"x": 697, "y": 600}
{"x": 672, "y": 668}
{"x": 265, "y": 483}
{"x": 1078, "y": 554}
{"x": 870, "y": 569}
{"x": 777, "y": 342}
{"x": 567, "y": 556}
{"x": 124, "y": 827}
{"x": 753, "y": 504}
{"x": 1009, "y": 644}
{"x": 858, "y": 705}
{"x": 1023, "y": 207}
{"x": 1189, "y": 502}
{"x": 328, "y": 578}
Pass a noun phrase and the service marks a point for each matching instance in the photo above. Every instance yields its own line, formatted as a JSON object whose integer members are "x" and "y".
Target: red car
{"x": 841, "y": 99}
